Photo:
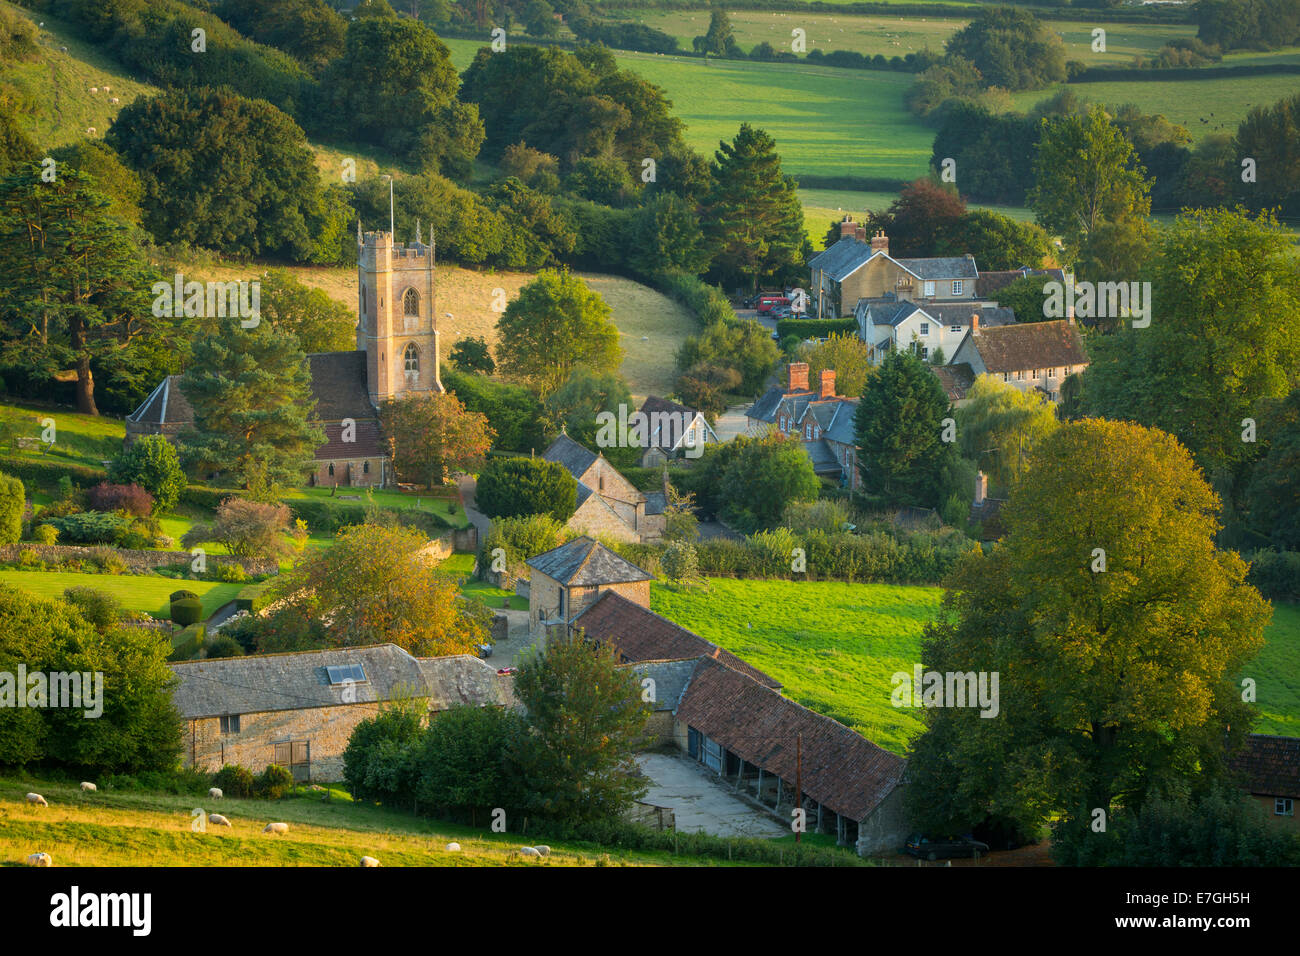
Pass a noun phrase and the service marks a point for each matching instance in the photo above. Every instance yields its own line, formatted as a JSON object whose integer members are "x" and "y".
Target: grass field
{"x": 137, "y": 592}
{"x": 835, "y": 646}
{"x": 126, "y": 828}
{"x": 78, "y": 439}
{"x": 461, "y": 565}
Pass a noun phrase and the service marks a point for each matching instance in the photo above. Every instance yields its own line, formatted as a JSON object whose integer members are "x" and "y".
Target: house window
{"x": 365, "y": 468}
{"x": 601, "y": 484}
{"x": 363, "y": 298}
{"x": 1006, "y": 376}
{"x": 1020, "y": 376}
{"x": 929, "y": 290}
{"x": 1051, "y": 373}
{"x": 1069, "y": 369}
{"x": 925, "y": 328}
{"x": 956, "y": 287}
{"x": 331, "y": 469}
{"x": 411, "y": 359}
{"x": 230, "y": 724}
{"x": 925, "y": 351}
{"x": 1283, "y": 807}
{"x": 807, "y": 432}
{"x": 1035, "y": 373}
{"x": 954, "y": 328}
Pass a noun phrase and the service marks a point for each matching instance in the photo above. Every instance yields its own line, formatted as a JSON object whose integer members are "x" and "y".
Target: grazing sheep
{"x": 94, "y": 89}
{"x": 217, "y": 820}
{"x": 529, "y": 851}
{"x": 114, "y": 100}
{"x": 63, "y": 49}
{"x": 215, "y": 793}
{"x": 369, "y": 861}
{"x": 543, "y": 849}
{"x": 276, "y": 828}
{"x": 36, "y": 798}
{"x": 105, "y": 88}
{"x": 453, "y": 847}
{"x": 40, "y": 859}
{"x": 88, "y": 787}
{"x": 90, "y": 131}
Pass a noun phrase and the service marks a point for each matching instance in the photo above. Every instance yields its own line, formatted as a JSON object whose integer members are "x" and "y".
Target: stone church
{"x": 396, "y": 354}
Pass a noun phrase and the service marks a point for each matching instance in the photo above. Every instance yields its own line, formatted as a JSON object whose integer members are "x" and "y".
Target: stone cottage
{"x": 566, "y": 580}
{"x": 608, "y": 504}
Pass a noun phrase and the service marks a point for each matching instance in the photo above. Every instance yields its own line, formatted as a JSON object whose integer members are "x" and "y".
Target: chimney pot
{"x": 880, "y": 242}
{"x": 798, "y": 376}
{"x": 848, "y": 227}
{"x": 981, "y": 487}
{"x": 860, "y": 233}
{"x": 975, "y": 322}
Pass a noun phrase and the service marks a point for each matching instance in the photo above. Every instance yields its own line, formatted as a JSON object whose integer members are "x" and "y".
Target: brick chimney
{"x": 798, "y": 376}
{"x": 880, "y": 242}
{"x": 860, "y": 233}
{"x": 974, "y": 321}
{"x": 828, "y": 383}
{"x": 848, "y": 227}
{"x": 981, "y": 487}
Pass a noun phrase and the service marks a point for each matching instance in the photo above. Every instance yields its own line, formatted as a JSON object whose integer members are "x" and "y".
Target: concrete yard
{"x": 700, "y": 802}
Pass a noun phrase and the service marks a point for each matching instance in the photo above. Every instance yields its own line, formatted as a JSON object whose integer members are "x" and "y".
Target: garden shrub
{"x": 45, "y": 534}
{"x": 273, "y": 782}
{"x": 181, "y": 594}
{"x": 131, "y": 499}
{"x": 186, "y": 611}
{"x": 92, "y": 527}
{"x": 107, "y": 560}
{"x": 223, "y": 645}
{"x": 13, "y": 502}
{"x": 100, "y": 609}
{"x": 234, "y": 781}
{"x": 1276, "y": 574}
{"x": 188, "y": 642}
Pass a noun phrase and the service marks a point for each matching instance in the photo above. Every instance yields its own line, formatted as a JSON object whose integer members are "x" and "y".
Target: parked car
{"x": 782, "y": 312}
{"x": 485, "y": 651}
{"x": 941, "y": 848}
{"x": 507, "y": 670}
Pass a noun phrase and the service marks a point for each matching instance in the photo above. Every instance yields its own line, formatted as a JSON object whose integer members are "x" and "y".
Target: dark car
{"x": 942, "y": 848}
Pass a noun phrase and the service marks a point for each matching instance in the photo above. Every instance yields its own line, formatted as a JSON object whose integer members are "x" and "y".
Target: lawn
{"x": 461, "y": 566}
{"x": 835, "y": 646}
{"x": 137, "y": 592}
{"x": 385, "y": 498}
{"x": 86, "y": 440}
{"x": 128, "y": 828}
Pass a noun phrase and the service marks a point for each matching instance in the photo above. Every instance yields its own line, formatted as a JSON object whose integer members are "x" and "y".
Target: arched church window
{"x": 411, "y": 303}
{"x": 411, "y": 361}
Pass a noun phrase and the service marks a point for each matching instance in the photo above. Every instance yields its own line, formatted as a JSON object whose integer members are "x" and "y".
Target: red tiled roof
{"x": 640, "y": 634}
{"x": 841, "y": 769}
{"x": 1269, "y": 766}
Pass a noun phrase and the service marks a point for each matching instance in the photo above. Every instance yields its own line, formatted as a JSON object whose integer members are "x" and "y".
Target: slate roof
{"x": 166, "y": 405}
{"x": 575, "y": 458}
{"x": 824, "y": 461}
{"x": 764, "y": 410}
{"x": 990, "y": 283}
{"x": 841, "y": 259}
{"x": 640, "y": 634}
{"x": 841, "y": 769}
{"x": 261, "y": 683}
{"x": 656, "y": 503}
{"x": 1029, "y": 345}
{"x": 338, "y": 383}
{"x": 670, "y": 677}
{"x": 941, "y": 267}
{"x": 988, "y": 514}
{"x": 1269, "y": 766}
{"x": 683, "y": 416}
{"x": 954, "y": 313}
{"x": 840, "y": 428}
{"x": 586, "y": 562}
{"x": 955, "y": 379}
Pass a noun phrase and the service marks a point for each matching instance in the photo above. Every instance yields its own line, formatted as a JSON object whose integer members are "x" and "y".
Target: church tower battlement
{"x": 397, "y": 324}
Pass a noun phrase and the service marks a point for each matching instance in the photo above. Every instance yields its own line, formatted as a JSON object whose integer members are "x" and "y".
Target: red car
{"x": 766, "y": 303}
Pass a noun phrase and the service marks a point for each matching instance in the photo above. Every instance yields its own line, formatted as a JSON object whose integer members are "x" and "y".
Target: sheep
{"x": 217, "y": 820}
{"x": 215, "y": 793}
{"x": 94, "y": 89}
{"x": 369, "y": 861}
{"x": 114, "y": 100}
{"x": 105, "y": 88}
{"x": 276, "y": 828}
{"x": 453, "y": 847}
{"x": 36, "y": 798}
{"x": 40, "y": 859}
{"x": 528, "y": 851}
{"x": 543, "y": 849}
{"x": 88, "y": 787}
{"x": 63, "y": 49}
{"x": 90, "y": 131}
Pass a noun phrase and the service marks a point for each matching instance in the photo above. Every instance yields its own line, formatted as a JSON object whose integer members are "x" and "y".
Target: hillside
{"x": 130, "y": 828}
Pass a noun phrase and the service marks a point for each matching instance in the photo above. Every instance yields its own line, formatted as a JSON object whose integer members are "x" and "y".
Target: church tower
{"x": 397, "y": 326}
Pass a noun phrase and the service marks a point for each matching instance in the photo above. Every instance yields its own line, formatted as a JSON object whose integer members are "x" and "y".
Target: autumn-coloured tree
{"x": 374, "y": 585}
{"x": 1118, "y": 630}
{"x": 431, "y": 434}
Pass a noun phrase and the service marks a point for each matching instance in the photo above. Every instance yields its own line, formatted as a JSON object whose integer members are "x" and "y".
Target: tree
{"x": 578, "y": 402}
{"x": 539, "y": 234}
{"x": 379, "y": 760}
{"x": 409, "y": 106}
{"x": 1010, "y": 48}
{"x": 228, "y": 173}
{"x": 253, "y": 407}
{"x": 667, "y": 236}
{"x": 1115, "y": 683}
{"x": 680, "y": 564}
{"x": 16, "y": 147}
{"x": 513, "y": 411}
{"x": 1086, "y": 178}
{"x": 13, "y": 503}
{"x": 318, "y": 322}
{"x": 954, "y": 77}
{"x": 1274, "y": 491}
{"x": 744, "y": 349}
{"x": 73, "y": 283}
{"x": 843, "y": 353}
{"x": 461, "y": 761}
{"x": 248, "y": 529}
{"x": 105, "y": 170}
{"x": 553, "y": 326}
{"x": 1227, "y": 298}
{"x": 308, "y": 30}
{"x": 152, "y": 463}
{"x": 376, "y": 585}
{"x": 430, "y": 434}
{"x": 1025, "y": 297}
{"x": 752, "y": 215}
{"x": 585, "y": 717}
{"x": 921, "y": 219}
{"x": 514, "y": 487}
{"x": 902, "y": 456}
{"x": 471, "y": 354}
{"x": 539, "y": 19}
{"x": 768, "y": 473}
{"x": 1270, "y": 135}
{"x": 996, "y": 241}
{"x": 521, "y": 538}
{"x": 718, "y": 39}
{"x": 999, "y": 427}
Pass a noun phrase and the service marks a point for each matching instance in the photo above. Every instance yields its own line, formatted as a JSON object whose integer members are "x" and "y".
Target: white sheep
{"x": 105, "y": 88}
{"x": 88, "y": 787}
{"x": 215, "y": 793}
{"x": 94, "y": 89}
{"x": 543, "y": 849}
{"x": 529, "y": 851}
{"x": 36, "y": 798}
{"x": 276, "y": 828}
{"x": 90, "y": 131}
{"x": 114, "y": 100}
{"x": 369, "y": 861}
{"x": 40, "y": 859}
{"x": 217, "y": 820}
{"x": 453, "y": 847}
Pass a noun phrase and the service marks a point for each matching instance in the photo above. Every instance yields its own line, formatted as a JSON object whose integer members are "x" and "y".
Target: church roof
{"x": 338, "y": 383}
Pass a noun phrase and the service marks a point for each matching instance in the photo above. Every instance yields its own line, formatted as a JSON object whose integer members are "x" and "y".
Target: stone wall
{"x": 135, "y": 560}
{"x": 596, "y": 517}
{"x": 885, "y": 831}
